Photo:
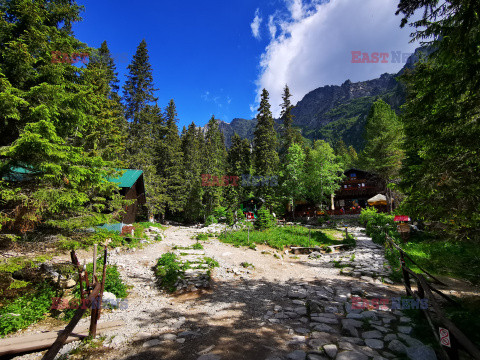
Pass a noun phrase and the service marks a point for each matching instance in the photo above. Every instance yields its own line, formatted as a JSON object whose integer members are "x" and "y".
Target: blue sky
{"x": 213, "y": 57}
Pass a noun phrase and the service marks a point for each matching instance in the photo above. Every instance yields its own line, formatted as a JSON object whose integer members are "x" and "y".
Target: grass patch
{"x": 169, "y": 269}
{"x": 280, "y": 237}
{"x": 26, "y": 310}
{"x": 202, "y": 237}
{"x": 247, "y": 265}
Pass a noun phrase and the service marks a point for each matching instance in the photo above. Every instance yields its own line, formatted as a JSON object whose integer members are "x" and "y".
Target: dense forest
{"x": 69, "y": 127}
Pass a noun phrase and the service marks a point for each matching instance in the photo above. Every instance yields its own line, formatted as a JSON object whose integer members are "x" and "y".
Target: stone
{"x": 350, "y": 330}
{"x": 369, "y": 315}
{"x": 150, "y": 343}
{"x": 373, "y": 334}
{"x": 405, "y": 329}
{"x": 331, "y": 350}
{"x": 389, "y": 337}
{"x": 302, "y": 331}
{"x": 374, "y": 343}
{"x": 421, "y": 353}
{"x": 297, "y": 294}
{"x": 351, "y": 322}
{"x": 209, "y": 357}
{"x": 301, "y": 310}
{"x": 315, "y": 357}
{"x": 409, "y": 340}
{"x": 169, "y": 337}
{"x": 354, "y": 316}
{"x": 323, "y": 327}
{"x": 397, "y": 347}
{"x": 353, "y": 340}
{"x": 181, "y": 340}
{"x": 351, "y": 355}
{"x": 326, "y": 320}
{"x": 297, "y": 355}
{"x": 317, "y": 343}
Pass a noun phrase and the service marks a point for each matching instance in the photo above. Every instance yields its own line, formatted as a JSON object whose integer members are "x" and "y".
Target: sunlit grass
{"x": 280, "y": 237}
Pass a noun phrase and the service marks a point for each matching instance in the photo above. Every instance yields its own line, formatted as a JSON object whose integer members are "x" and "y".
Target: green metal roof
{"x": 129, "y": 177}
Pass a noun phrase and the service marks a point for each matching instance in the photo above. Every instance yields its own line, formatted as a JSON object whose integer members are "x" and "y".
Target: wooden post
{"x": 94, "y": 262}
{"x": 98, "y": 300}
{"x": 57, "y": 345}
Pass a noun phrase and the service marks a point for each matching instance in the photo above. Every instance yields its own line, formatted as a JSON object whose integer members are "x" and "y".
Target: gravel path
{"x": 286, "y": 307}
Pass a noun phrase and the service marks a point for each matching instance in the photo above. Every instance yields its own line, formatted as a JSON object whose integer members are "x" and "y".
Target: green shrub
{"x": 202, "y": 236}
{"x": 220, "y": 212}
{"x": 197, "y": 246}
{"x": 211, "y": 220}
{"x": 230, "y": 217}
{"x": 265, "y": 219}
{"x": 378, "y": 225}
{"x": 168, "y": 270}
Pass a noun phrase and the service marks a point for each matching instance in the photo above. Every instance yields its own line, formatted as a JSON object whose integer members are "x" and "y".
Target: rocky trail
{"x": 282, "y": 307}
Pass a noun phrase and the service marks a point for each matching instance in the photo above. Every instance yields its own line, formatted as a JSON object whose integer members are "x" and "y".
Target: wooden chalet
{"x": 357, "y": 187}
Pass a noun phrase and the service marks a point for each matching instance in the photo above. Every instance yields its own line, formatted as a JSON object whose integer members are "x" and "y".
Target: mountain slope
{"x": 335, "y": 112}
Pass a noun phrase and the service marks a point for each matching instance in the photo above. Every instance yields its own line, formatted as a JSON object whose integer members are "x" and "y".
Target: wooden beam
{"x": 62, "y": 337}
{"x": 27, "y": 343}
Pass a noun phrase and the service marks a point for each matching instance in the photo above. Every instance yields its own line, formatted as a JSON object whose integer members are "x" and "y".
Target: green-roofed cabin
{"x": 132, "y": 187}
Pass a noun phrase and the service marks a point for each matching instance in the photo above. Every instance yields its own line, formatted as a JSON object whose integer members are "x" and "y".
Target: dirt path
{"x": 257, "y": 313}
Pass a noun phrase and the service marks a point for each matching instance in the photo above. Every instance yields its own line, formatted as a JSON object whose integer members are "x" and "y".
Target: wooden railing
{"x": 436, "y": 318}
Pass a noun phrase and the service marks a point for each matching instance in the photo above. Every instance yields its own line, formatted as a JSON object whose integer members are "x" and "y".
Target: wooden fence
{"x": 450, "y": 338}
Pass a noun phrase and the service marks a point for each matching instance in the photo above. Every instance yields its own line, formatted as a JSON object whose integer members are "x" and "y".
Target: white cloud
{"x": 311, "y": 45}
{"x": 272, "y": 27}
{"x": 255, "y": 25}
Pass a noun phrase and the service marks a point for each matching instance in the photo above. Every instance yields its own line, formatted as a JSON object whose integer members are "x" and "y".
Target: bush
{"x": 168, "y": 270}
{"x": 378, "y": 225}
{"x": 220, "y": 212}
{"x": 211, "y": 220}
{"x": 230, "y": 218}
{"x": 265, "y": 220}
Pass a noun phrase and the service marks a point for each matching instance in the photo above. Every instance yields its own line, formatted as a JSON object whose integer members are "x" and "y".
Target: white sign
{"x": 445, "y": 337}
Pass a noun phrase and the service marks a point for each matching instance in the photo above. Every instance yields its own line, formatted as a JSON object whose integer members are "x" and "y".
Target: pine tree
{"x": 108, "y": 137}
{"x": 287, "y": 117}
{"x": 214, "y": 165}
{"x": 383, "y": 152}
{"x": 192, "y": 148}
{"x": 441, "y": 117}
{"x": 265, "y": 156}
{"x": 48, "y": 106}
{"x": 238, "y": 165}
{"x": 146, "y": 128}
{"x": 169, "y": 159}
{"x": 139, "y": 89}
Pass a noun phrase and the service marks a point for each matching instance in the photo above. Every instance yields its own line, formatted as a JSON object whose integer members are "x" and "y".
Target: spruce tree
{"x": 139, "y": 89}
{"x": 169, "y": 160}
{"x": 265, "y": 156}
{"x": 48, "y": 106}
{"x": 146, "y": 128}
{"x": 238, "y": 165}
{"x": 108, "y": 136}
{"x": 287, "y": 117}
{"x": 192, "y": 148}
{"x": 441, "y": 117}
{"x": 214, "y": 165}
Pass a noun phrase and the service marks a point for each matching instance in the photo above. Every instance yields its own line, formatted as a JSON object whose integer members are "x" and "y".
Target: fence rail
{"x": 437, "y": 318}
